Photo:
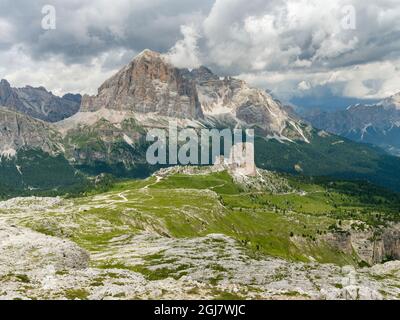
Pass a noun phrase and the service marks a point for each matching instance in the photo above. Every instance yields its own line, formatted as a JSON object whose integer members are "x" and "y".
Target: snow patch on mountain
{"x": 392, "y": 102}
{"x": 8, "y": 153}
{"x": 374, "y": 124}
{"x": 128, "y": 140}
{"x": 90, "y": 118}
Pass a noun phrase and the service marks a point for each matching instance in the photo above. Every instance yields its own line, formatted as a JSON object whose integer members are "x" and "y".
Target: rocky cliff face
{"x": 107, "y": 143}
{"x": 38, "y": 102}
{"x": 372, "y": 246}
{"x": 149, "y": 84}
{"x": 32, "y": 157}
{"x": 20, "y": 131}
{"x": 235, "y": 99}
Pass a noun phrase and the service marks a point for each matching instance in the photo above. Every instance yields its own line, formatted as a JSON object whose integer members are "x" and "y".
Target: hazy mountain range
{"x": 38, "y": 102}
{"x": 377, "y": 124}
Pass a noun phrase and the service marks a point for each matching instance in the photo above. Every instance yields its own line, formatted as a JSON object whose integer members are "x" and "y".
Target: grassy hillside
{"x": 290, "y": 226}
{"x": 34, "y": 172}
{"x": 332, "y": 156}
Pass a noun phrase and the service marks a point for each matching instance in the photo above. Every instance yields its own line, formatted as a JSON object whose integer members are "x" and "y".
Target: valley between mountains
{"x": 84, "y": 216}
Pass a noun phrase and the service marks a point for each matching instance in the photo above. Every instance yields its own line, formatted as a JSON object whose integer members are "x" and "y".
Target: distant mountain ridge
{"x": 38, "y": 102}
{"x": 32, "y": 157}
{"x": 377, "y": 124}
{"x": 20, "y": 131}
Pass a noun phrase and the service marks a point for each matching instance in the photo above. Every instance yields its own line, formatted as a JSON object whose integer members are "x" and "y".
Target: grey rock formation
{"x": 22, "y": 249}
{"x": 38, "y": 102}
{"x": 372, "y": 246}
{"x": 234, "y": 99}
{"x": 20, "y": 131}
{"x": 77, "y": 98}
{"x": 149, "y": 84}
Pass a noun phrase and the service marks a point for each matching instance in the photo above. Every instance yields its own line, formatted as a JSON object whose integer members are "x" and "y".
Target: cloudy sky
{"x": 301, "y": 50}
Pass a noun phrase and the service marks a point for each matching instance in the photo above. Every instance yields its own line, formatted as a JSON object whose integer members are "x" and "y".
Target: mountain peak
{"x": 392, "y": 102}
{"x": 149, "y": 54}
{"x": 149, "y": 84}
{"x": 204, "y": 74}
{"x": 4, "y": 83}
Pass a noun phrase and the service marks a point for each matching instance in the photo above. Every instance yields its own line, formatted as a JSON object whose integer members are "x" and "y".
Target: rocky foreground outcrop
{"x": 35, "y": 266}
{"x": 23, "y": 250}
{"x": 372, "y": 245}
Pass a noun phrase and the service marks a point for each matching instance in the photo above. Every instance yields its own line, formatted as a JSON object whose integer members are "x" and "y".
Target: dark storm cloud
{"x": 294, "y": 47}
{"x": 88, "y": 28}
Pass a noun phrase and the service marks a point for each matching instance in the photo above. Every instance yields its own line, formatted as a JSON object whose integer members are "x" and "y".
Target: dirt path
{"x": 158, "y": 179}
{"x": 121, "y": 195}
